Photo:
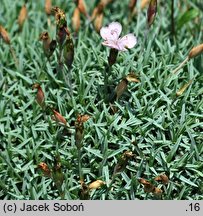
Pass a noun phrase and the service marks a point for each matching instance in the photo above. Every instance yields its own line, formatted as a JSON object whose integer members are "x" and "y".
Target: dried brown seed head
{"x": 96, "y": 184}
{"x": 22, "y": 16}
{"x": 4, "y": 34}
{"x": 98, "y": 21}
{"x": 162, "y": 178}
{"x": 59, "y": 118}
{"x": 195, "y": 51}
{"x": 151, "y": 12}
{"x": 45, "y": 169}
{"x": 48, "y": 7}
{"x": 76, "y": 19}
{"x": 40, "y": 98}
{"x": 44, "y": 36}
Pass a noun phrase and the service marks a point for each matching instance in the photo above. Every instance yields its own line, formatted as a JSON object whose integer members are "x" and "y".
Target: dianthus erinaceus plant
{"x": 101, "y": 100}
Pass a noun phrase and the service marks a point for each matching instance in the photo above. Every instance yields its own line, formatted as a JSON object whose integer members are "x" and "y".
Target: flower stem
{"x": 110, "y": 185}
{"x": 14, "y": 55}
{"x": 180, "y": 66}
{"x": 172, "y": 18}
{"x": 80, "y": 165}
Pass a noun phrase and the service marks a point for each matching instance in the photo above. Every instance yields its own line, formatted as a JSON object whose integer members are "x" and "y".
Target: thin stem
{"x": 110, "y": 185}
{"x": 107, "y": 72}
{"x": 68, "y": 80}
{"x": 80, "y": 165}
{"x": 172, "y": 18}
{"x": 14, "y": 56}
{"x": 180, "y": 66}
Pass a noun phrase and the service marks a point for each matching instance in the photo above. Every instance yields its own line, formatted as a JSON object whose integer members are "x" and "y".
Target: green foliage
{"x": 163, "y": 131}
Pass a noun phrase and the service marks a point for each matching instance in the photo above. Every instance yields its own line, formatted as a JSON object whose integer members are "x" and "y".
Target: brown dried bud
{"x": 79, "y": 133}
{"x": 151, "y": 12}
{"x": 131, "y": 77}
{"x": 82, "y": 7}
{"x": 157, "y": 191}
{"x": 123, "y": 161}
{"x": 148, "y": 186}
{"x": 98, "y": 21}
{"x": 40, "y": 98}
{"x": 84, "y": 192}
{"x": 127, "y": 155}
{"x": 144, "y": 3}
{"x": 121, "y": 87}
{"x": 68, "y": 51}
{"x": 132, "y": 5}
{"x": 48, "y": 45}
{"x": 82, "y": 118}
{"x": 96, "y": 184}
{"x": 182, "y": 90}
{"x": 59, "y": 118}
{"x": 22, "y": 16}
{"x": 162, "y": 178}
{"x": 195, "y": 51}
{"x": 48, "y": 7}
{"x": 60, "y": 17}
{"x": 105, "y": 2}
{"x": 45, "y": 169}
{"x": 57, "y": 173}
{"x": 97, "y": 10}
{"x": 4, "y": 35}
{"x": 76, "y": 19}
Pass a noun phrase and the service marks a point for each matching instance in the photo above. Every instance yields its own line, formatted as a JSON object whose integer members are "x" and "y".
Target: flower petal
{"x": 111, "y": 44}
{"x": 117, "y": 27}
{"x": 128, "y": 41}
{"x": 104, "y": 32}
{"x": 111, "y": 32}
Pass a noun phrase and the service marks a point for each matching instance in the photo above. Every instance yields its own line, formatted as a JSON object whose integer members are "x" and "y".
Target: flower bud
{"x": 82, "y": 7}
{"x": 151, "y": 12}
{"x": 40, "y": 98}
{"x": 59, "y": 118}
{"x": 45, "y": 169}
{"x": 157, "y": 191}
{"x": 148, "y": 186}
{"x": 48, "y": 45}
{"x": 98, "y": 21}
{"x": 84, "y": 192}
{"x": 22, "y": 16}
{"x": 60, "y": 17}
{"x": 4, "y": 35}
{"x": 76, "y": 19}
{"x": 132, "y": 5}
{"x": 68, "y": 52}
{"x": 57, "y": 173}
{"x": 79, "y": 134}
{"x": 105, "y": 2}
{"x": 123, "y": 161}
{"x": 162, "y": 178}
{"x": 82, "y": 118}
{"x": 121, "y": 87}
{"x": 48, "y": 7}
{"x": 97, "y": 10}
{"x": 195, "y": 51}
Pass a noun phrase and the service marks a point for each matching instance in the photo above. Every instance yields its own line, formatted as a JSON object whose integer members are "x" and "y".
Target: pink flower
{"x": 111, "y": 38}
